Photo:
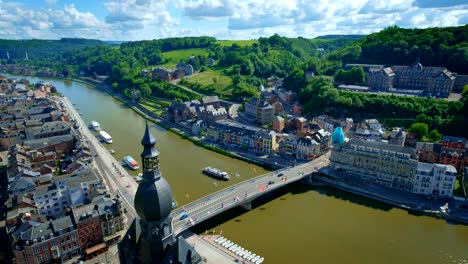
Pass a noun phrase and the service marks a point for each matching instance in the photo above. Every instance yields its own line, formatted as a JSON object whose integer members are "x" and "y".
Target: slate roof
{"x": 382, "y": 146}
{"x": 20, "y": 185}
{"x": 210, "y": 99}
{"x": 50, "y": 141}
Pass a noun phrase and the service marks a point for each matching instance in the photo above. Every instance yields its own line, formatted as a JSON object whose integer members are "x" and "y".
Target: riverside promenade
{"x": 112, "y": 173}
{"x": 448, "y": 208}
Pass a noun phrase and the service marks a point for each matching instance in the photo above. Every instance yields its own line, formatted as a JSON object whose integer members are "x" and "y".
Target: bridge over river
{"x": 241, "y": 194}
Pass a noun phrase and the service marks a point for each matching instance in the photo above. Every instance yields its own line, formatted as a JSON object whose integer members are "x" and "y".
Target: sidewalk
{"x": 402, "y": 199}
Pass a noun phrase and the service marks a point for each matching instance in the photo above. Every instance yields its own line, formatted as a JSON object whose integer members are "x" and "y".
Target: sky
{"x": 122, "y": 20}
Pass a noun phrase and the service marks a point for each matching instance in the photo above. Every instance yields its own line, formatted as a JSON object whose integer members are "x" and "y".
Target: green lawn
{"x": 155, "y": 105}
{"x": 242, "y": 43}
{"x": 175, "y": 56}
{"x": 210, "y": 82}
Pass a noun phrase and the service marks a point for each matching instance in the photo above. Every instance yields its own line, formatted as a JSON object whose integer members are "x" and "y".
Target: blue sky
{"x": 223, "y": 19}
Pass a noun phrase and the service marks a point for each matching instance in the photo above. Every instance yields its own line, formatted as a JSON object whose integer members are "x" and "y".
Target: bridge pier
{"x": 247, "y": 206}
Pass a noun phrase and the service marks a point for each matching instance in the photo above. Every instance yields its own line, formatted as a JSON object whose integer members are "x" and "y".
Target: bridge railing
{"x": 227, "y": 190}
{"x": 226, "y": 201}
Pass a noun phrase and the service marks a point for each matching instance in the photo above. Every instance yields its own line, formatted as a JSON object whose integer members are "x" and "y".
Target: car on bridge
{"x": 280, "y": 174}
{"x": 184, "y": 216}
{"x": 271, "y": 182}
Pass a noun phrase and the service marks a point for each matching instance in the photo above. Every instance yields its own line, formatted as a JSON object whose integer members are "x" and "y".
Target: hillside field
{"x": 175, "y": 56}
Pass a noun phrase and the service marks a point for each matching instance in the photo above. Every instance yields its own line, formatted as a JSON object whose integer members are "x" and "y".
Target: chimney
{"x": 27, "y": 216}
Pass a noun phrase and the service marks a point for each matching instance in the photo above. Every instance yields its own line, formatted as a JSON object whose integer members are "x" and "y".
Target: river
{"x": 299, "y": 224}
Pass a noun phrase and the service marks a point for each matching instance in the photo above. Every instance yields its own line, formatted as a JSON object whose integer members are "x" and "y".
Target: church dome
{"x": 153, "y": 199}
{"x": 338, "y": 136}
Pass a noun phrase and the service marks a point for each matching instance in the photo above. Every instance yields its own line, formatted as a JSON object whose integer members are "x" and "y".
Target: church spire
{"x": 149, "y": 155}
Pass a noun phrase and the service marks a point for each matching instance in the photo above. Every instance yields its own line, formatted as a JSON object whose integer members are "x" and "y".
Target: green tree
{"x": 435, "y": 136}
{"x": 145, "y": 90}
{"x": 423, "y": 118}
{"x": 421, "y": 129}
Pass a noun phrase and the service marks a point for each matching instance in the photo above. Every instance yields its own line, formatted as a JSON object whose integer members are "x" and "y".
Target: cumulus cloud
{"x": 18, "y": 21}
{"x": 209, "y": 8}
{"x": 142, "y": 11}
{"x": 386, "y": 6}
{"x": 226, "y": 19}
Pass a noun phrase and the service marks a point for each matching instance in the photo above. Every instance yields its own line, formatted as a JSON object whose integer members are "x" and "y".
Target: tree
{"x": 145, "y": 90}
{"x": 423, "y": 118}
{"x": 421, "y": 129}
{"x": 435, "y": 136}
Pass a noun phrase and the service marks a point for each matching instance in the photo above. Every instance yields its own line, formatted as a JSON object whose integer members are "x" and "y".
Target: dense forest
{"x": 41, "y": 49}
{"x": 446, "y": 47}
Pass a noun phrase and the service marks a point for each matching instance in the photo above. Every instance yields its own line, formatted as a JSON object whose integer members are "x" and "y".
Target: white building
{"x": 435, "y": 179}
{"x": 51, "y": 200}
{"x": 307, "y": 148}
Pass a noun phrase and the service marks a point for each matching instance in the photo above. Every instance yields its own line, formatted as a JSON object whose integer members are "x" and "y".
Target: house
{"x": 435, "y": 180}
{"x": 307, "y": 148}
{"x": 288, "y": 145}
{"x": 187, "y": 69}
{"x": 52, "y": 241}
{"x": 373, "y": 124}
{"x": 397, "y": 137}
{"x": 259, "y": 109}
{"x": 178, "y": 112}
{"x": 278, "y": 124}
{"x": 211, "y": 100}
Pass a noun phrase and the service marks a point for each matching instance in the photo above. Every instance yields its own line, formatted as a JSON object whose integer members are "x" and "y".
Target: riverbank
{"x": 413, "y": 203}
{"x": 140, "y": 110}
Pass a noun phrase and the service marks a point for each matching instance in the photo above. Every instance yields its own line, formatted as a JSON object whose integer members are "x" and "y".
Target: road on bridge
{"x": 241, "y": 193}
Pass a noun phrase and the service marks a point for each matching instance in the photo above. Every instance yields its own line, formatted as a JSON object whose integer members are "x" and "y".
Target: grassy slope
{"x": 211, "y": 80}
{"x": 241, "y": 43}
{"x": 175, "y": 56}
{"x": 155, "y": 105}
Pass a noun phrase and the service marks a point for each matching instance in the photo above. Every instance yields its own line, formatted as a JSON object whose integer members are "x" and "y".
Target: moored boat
{"x": 217, "y": 173}
{"x": 95, "y": 126}
{"x": 105, "y": 136}
{"x": 130, "y": 162}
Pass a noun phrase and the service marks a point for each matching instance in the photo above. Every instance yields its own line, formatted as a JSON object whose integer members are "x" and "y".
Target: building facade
{"x": 385, "y": 164}
{"x": 436, "y": 180}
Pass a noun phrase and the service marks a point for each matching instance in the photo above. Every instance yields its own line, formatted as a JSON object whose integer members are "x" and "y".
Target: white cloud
{"x": 17, "y": 21}
{"x": 227, "y": 19}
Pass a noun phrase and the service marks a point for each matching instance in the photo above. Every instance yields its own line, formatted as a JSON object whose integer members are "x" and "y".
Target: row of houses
{"x": 261, "y": 141}
{"x": 57, "y": 206}
{"x": 81, "y": 231}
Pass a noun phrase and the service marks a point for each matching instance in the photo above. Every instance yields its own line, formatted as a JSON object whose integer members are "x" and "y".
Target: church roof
{"x": 153, "y": 199}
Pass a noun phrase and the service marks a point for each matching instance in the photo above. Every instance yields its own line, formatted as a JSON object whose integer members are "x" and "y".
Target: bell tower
{"x": 153, "y": 204}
